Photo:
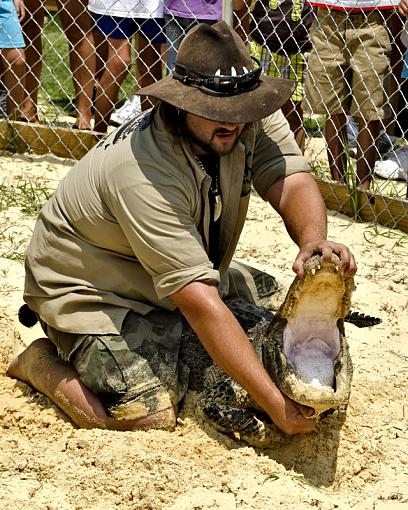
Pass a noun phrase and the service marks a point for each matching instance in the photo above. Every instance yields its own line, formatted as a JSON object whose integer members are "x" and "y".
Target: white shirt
{"x": 127, "y": 8}
{"x": 355, "y": 5}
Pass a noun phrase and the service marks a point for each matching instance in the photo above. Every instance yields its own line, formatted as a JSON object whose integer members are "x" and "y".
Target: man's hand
{"x": 347, "y": 263}
{"x": 298, "y": 200}
{"x": 292, "y": 417}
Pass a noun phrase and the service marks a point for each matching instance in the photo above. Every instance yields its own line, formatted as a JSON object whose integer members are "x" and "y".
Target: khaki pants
{"x": 349, "y": 65}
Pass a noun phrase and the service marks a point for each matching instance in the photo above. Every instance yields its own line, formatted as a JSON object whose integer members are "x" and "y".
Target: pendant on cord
{"x": 217, "y": 207}
{"x": 214, "y": 188}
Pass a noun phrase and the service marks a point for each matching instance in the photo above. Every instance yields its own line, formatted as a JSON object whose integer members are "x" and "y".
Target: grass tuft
{"x": 26, "y": 194}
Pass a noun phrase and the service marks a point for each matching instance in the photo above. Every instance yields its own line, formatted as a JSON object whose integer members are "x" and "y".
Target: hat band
{"x": 218, "y": 84}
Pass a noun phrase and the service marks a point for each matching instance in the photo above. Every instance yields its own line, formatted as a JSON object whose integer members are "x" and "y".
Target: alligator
{"x": 302, "y": 346}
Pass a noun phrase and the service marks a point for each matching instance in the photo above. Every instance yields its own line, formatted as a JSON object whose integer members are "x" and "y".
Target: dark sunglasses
{"x": 219, "y": 85}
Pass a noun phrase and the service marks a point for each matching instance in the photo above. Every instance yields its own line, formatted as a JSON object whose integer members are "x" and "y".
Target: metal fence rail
{"x": 68, "y": 60}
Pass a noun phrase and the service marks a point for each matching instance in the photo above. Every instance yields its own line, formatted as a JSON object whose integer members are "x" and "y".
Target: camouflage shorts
{"x": 139, "y": 372}
{"x": 136, "y": 373}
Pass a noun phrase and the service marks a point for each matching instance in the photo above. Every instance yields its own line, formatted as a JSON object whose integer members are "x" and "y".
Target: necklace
{"x": 215, "y": 190}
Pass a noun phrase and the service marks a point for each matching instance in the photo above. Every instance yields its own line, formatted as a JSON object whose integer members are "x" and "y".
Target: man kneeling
{"x": 140, "y": 236}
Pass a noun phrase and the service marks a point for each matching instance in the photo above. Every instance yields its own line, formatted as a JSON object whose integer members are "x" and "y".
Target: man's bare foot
{"x": 40, "y": 367}
{"x": 20, "y": 367}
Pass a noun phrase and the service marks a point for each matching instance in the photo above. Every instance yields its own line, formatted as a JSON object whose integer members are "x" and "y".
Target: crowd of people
{"x": 347, "y": 58}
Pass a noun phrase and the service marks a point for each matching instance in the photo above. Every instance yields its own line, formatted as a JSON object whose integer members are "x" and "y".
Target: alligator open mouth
{"x": 306, "y": 351}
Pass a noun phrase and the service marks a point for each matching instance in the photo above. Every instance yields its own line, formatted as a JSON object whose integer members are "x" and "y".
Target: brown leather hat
{"x": 216, "y": 78}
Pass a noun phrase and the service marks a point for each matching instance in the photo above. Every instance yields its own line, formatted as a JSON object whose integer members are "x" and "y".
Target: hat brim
{"x": 250, "y": 106}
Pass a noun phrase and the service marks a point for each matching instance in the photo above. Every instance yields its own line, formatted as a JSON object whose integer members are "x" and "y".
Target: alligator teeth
{"x": 313, "y": 271}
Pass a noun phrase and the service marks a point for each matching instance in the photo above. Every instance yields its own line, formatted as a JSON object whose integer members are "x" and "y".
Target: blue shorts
{"x": 404, "y": 73}
{"x": 11, "y": 35}
{"x": 114, "y": 27}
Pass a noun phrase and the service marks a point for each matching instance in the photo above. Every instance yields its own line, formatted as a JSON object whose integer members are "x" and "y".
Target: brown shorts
{"x": 349, "y": 65}
{"x": 139, "y": 372}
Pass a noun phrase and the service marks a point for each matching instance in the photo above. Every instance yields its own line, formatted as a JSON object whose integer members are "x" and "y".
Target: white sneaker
{"x": 131, "y": 108}
{"x": 394, "y": 165}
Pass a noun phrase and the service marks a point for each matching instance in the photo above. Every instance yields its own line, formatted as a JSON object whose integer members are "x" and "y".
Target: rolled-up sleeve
{"x": 276, "y": 153}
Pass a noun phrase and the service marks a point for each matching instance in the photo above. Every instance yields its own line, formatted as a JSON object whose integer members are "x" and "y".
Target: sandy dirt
{"x": 46, "y": 463}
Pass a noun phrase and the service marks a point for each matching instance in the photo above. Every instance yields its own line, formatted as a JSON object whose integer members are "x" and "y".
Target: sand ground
{"x": 361, "y": 463}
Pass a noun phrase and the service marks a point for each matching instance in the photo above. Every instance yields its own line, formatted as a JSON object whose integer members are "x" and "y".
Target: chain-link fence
{"x": 83, "y": 62}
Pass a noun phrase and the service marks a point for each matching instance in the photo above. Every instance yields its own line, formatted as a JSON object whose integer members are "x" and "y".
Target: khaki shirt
{"x": 129, "y": 224}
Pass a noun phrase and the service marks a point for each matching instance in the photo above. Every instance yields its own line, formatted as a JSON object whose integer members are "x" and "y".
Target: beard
{"x": 210, "y": 146}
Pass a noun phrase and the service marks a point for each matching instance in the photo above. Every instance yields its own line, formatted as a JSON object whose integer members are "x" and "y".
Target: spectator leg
{"x": 395, "y": 23}
{"x": 336, "y": 138}
{"x": 14, "y": 71}
{"x": 294, "y": 114}
{"x": 107, "y": 91}
{"x": 149, "y": 66}
{"x": 367, "y": 153}
{"x": 32, "y": 26}
{"x": 101, "y": 53}
{"x": 76, "y": 23}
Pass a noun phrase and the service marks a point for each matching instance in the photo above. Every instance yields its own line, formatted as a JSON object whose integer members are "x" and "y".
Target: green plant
{"x": 314, "y": 125}
{"x": 33, "y": 197}
{"x": 320, "y": 168}
{"x": 29, "y": 195}
{"x": 373, "y": 231}
{"x": 350, "y": 180}
{"x": 271, "y": 478}
{"x": 16, "y": 250}
{"x": 26, "y": 194}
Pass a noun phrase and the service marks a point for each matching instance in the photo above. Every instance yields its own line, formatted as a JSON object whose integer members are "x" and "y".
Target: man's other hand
{"x": 347, "y": 264}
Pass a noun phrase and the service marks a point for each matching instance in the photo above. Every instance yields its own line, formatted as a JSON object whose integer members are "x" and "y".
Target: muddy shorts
{"x": 138, "y": 372}
{"x": 349, "y": 64}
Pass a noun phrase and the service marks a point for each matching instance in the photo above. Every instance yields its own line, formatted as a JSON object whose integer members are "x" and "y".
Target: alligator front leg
{"x": 227, "y": 407}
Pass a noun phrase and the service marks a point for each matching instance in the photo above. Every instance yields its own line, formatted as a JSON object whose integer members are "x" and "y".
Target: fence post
{"x": 227, "y": 11}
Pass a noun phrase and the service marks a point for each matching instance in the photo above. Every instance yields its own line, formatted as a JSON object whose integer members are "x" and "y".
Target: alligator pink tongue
{"x": 313, "y": 365}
